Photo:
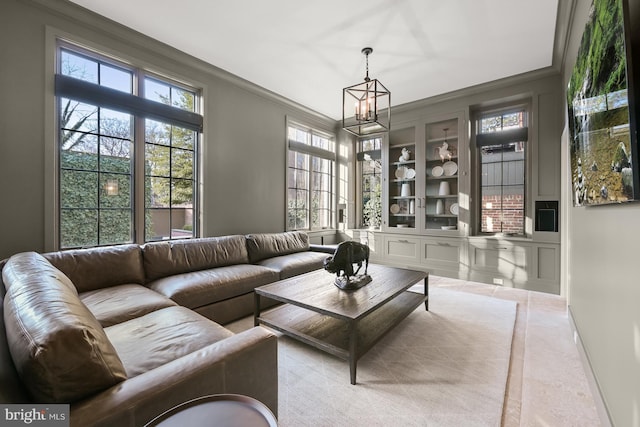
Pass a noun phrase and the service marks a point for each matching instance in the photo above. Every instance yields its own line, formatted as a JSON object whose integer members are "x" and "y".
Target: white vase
{"x": 444, "y": 189}
{"x": 439, "y": 207}
{"x": 406, "y": 190}
{"x": 412, "y": 207}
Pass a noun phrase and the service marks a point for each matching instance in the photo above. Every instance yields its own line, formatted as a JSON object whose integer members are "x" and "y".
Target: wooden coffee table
{"x": 344, "y": 323}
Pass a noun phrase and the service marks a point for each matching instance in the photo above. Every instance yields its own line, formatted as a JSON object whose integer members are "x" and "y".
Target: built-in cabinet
{"x": 442, "y": 162}
{"x": 518, "y": 263}
{"x": 427, "y": 165}
{"x": 426, "y": 213}
{"x": 403, "y": 188}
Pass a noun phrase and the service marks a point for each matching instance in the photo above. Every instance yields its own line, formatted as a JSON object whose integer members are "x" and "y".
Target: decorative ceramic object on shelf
{"x": 403, "y": 226}
{"x": 401, "y": 172}
{"x": 405, "y": 156}
{"x": 444, "y": 189}
{"x": 412, "y": 207}
{"x": 444, "y": 152}
{"x": 450, "y": 168}
{"x": 394, "y": 209}
{"x": 449, "y": 227}
{"x": 405, "y": 190}
{"x": 437, "y": 171}
{"x": 411, "y": 173}
{"x": 439, "y": 207}
{"x": 454, "y": 209}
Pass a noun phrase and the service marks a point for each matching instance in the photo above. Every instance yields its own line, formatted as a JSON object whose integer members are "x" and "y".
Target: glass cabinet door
{"x": 402, "y": 198}
{"x": 441, "y": 175}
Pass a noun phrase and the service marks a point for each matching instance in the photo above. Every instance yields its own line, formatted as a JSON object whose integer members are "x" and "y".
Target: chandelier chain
{"x": 367, "y": 51}
{"x": 367, "y": 65}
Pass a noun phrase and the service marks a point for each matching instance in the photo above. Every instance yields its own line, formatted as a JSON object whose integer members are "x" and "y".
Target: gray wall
{"x": 244, "y": 148}
{"x": 603, "y": 246}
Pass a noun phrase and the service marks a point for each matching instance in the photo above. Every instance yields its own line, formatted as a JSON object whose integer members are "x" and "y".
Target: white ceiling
{"x": 308, "y": 51}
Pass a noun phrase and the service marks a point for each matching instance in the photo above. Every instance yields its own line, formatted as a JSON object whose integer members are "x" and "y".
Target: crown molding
{"x": 477, "y": 89}
{"x": 564, "y": 23}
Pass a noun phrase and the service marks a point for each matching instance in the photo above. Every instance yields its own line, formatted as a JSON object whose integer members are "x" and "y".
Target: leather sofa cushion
{"x": 162, "y": 259}
{"x": 27, "y": 264}
{"x": 162, "y": 336}
{"x": 118, "y": 304}
{"x": 268, "y": 245}
{"x": 102, "y": 267}
{"x": 59, "y": 349}
{"x": 200, "y": 288}
{"x": 294, "y": 264}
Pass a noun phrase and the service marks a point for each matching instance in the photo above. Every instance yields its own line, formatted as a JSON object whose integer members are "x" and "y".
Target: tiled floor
{"x": 547, "y": 383}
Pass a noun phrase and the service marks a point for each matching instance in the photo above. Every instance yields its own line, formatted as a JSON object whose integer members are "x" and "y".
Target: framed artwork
{"x": 602, "y": 111}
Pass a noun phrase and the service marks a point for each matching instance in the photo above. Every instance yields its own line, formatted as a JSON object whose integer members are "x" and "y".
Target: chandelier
{"x": 366, "y": 106}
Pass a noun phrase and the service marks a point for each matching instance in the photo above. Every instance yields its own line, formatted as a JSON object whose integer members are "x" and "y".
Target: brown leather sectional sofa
{"x": 124, "y": 333}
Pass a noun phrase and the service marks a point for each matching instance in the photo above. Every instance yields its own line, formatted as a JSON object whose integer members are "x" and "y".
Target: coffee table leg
{"x": 256, "y": 308}
{"x": 426, "y": 292}
{"x": 353, "y": 344}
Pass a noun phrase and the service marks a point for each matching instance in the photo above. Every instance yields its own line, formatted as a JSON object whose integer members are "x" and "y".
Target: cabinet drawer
{"x": 506, "y": 259}
{"x": 441, "y": 252}
{"x": 405, "y": 249}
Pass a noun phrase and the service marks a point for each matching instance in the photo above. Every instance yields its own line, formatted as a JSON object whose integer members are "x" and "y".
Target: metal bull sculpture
{"x": 346, "y": 255}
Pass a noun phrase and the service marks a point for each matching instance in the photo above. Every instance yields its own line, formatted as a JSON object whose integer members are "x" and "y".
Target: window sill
{"x": 501, "y": 236}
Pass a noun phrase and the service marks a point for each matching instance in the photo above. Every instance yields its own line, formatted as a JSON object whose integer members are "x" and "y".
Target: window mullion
{"x": 309, "y": 191}
{"x": 139, "y": 171}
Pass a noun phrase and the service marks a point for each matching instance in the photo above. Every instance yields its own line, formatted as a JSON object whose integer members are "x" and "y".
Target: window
{"x": 310, "y": 178}
{"x": 370, "y": 171}
{"x": 109, "y": 116}
{"x": 501, "y": 142}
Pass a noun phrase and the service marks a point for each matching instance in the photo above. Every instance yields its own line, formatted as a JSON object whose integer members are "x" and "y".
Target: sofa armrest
{"x": 246, "y": 363}
{"x": 328, "y": 249}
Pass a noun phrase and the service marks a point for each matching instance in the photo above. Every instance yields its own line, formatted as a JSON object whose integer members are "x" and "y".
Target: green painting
{"x": 601, "y": 161}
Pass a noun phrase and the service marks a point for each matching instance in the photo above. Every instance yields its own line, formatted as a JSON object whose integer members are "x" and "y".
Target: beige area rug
{"x": 445, "y": 367}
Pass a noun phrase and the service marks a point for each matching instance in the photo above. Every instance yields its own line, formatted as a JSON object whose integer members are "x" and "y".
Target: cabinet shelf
{"x": 439, "y": 160}
{"x": 442, "y": 139}
{"x": 442, "y": 216}
{"x": 404, "y": 163}
{"x": 436, "y": 196}
{"x": 440, "y": 178}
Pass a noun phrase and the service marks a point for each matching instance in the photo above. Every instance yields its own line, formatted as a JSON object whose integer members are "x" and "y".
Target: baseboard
{"x": 601, "y": 407}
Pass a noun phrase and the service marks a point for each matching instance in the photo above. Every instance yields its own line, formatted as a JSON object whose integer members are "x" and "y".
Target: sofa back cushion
{"x": 60, "y": 351}
{"x": 102, "y": 267}
{"x": 162, "y": 259}
{"x": 269, "y": 245}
